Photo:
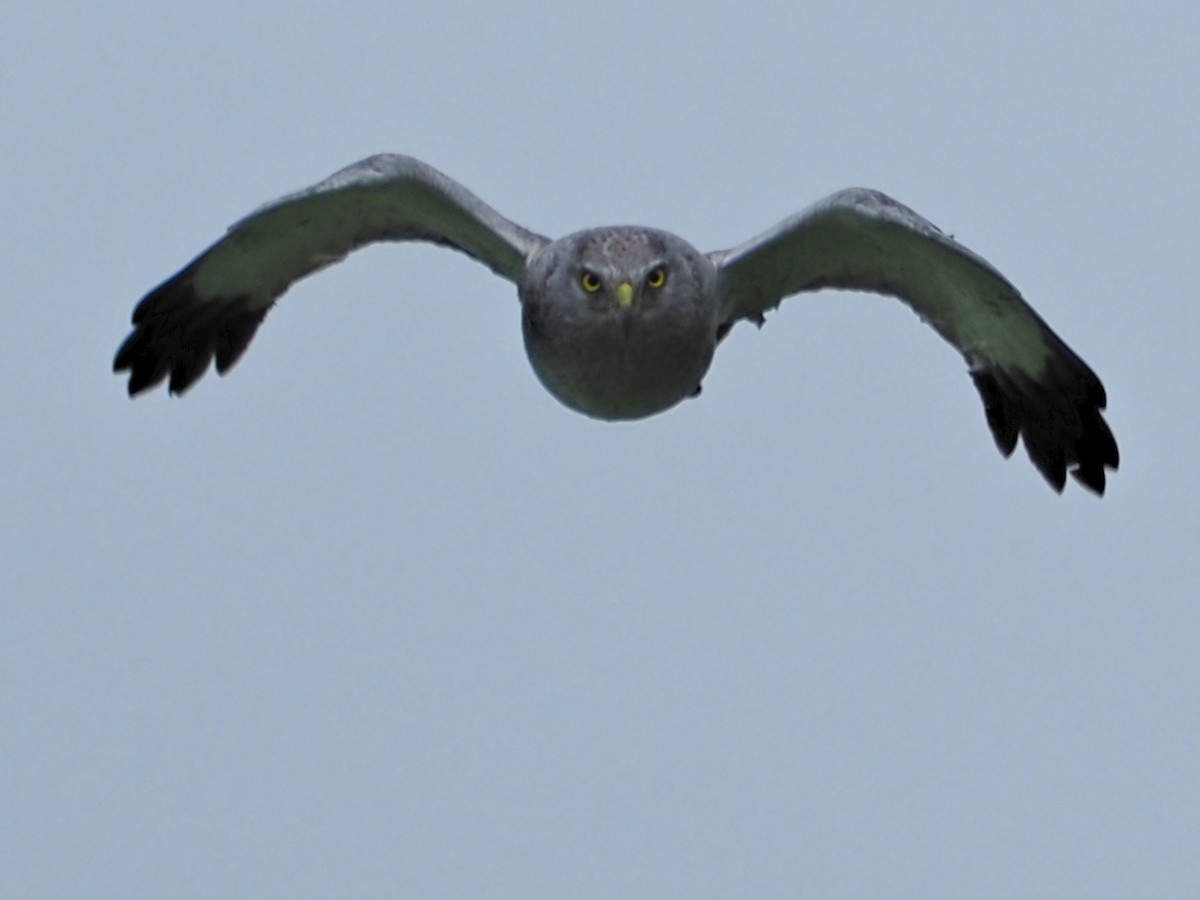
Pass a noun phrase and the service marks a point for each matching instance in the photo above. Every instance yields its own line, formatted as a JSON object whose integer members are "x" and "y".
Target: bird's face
{"x": 620, "y": 323}
{"x": 626, "y": 285}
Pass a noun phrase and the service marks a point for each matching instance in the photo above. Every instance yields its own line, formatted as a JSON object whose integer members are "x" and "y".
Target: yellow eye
{"x": 590, "y": 282}
{"x": 657, "y": 278}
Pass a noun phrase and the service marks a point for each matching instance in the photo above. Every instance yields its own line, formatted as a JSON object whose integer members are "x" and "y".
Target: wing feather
{"x": 1032, "y": 384}
{"x": 212, "y": 307}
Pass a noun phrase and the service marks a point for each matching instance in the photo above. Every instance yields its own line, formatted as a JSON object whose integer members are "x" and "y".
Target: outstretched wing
{"x": 1033, "y": 385}
{"x": 211, "y": 309}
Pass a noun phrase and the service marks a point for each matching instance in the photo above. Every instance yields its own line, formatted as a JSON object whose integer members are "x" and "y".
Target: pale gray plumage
{"x": 622, "y": 322}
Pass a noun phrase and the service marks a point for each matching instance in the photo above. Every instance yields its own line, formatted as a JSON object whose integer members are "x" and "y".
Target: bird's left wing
{"x": 1032, "y": 384}
{"x": 212, "y": 308}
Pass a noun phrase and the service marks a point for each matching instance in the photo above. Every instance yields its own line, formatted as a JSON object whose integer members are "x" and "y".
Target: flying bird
{"x": 622, "y": 322}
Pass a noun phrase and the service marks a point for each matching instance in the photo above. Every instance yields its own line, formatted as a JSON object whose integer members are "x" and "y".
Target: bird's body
{"x": 614, "y": 360}
{"x": 622, "y": 322}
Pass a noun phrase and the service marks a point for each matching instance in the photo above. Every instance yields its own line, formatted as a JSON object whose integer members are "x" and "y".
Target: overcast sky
{"x": 375, "y": 616}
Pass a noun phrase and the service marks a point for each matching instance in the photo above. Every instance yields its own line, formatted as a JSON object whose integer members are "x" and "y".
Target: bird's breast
{"x": 607, "y": 368}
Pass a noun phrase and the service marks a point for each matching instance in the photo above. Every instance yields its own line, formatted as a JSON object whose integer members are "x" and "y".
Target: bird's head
{"x": 620, "y": 274}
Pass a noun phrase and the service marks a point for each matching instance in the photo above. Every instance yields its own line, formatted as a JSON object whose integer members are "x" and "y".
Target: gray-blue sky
{"x": 374, "y": 616}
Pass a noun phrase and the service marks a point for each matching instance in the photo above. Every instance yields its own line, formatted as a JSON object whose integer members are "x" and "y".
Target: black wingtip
{"x": 1059, "y": 418}
{"x": 176, "y": 335}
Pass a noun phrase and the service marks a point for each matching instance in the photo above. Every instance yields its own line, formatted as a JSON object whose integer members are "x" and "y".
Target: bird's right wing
{"x": 212, "y": 308}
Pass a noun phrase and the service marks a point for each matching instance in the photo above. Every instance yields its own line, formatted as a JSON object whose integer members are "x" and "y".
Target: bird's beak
{"x": 625, "y": 307}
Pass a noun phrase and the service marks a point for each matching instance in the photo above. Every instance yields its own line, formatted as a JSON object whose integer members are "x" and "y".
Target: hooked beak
{"x": 625, "y": 306}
